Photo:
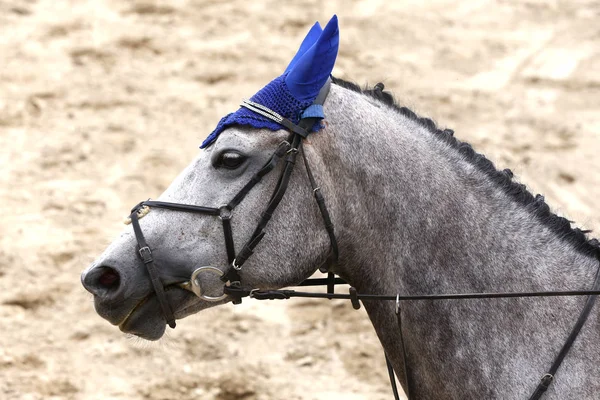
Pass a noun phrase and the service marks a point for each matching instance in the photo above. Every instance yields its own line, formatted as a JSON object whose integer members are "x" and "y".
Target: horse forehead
{"x": 248, "y": 139}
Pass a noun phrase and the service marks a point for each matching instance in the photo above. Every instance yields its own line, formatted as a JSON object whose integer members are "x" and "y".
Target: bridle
{"x": 288, "y": 151}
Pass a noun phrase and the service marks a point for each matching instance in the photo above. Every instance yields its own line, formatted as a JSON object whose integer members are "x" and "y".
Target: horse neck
{"x": 421, "y": 210}
{"x": 414, "y": 216}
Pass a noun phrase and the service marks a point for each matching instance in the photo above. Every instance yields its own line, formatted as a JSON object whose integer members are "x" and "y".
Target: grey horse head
{"x": 241, "y": 145}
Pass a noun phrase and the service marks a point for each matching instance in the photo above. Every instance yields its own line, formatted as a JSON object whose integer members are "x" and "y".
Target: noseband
{"x": 233, "y": 289}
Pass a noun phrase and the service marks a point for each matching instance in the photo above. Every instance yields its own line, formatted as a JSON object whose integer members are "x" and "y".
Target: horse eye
{"x": 230, "y": 160}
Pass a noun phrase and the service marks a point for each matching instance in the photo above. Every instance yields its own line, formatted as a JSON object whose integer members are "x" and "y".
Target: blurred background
{"x": 103, "y": 102}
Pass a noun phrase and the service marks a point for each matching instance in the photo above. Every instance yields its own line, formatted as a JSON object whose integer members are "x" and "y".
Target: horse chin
{"x": 196, "y": 306}
{"x": 146, "y": 321}
{"x": 146, "y": 325}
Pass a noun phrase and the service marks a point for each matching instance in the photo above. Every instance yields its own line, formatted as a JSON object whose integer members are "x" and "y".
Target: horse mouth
{"x": 145, "y": 318}
{"x": 133, "y": 310}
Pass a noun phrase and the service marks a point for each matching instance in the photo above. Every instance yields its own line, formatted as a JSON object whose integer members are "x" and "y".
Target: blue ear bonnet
{"x": 275, "y": 96}
{"x": 291, "y": 94}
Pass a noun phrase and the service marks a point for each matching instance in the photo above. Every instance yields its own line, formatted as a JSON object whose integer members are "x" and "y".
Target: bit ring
{"x": 197, "y": 289}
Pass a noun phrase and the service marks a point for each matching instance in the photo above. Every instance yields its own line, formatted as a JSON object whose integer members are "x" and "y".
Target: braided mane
{"x": 516, "y": 191}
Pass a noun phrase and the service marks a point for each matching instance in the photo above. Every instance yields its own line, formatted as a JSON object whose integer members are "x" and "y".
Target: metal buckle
{"x": 225, "y": 212}
{"x": 235, "y": 266}
{"x": 146, "y": 254}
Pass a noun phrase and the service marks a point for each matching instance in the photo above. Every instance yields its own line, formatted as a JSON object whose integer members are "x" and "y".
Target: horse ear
{"x": 310, "y": 39}
{"x": 308, "y": 75}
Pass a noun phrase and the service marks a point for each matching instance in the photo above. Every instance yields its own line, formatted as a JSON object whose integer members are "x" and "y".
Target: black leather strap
{"x": 180, "y": 207}
{"x": 323, "y": 208}
{"x": 280, "y": 189}
{"x": 461, "y": 296}
{"x": 392, "y": 376}
{"x": 541, "y": 388}
{"x": 268, "y": 167}
{"x": 354, "y": 298}
{"x": 324, "y": 281}
{"x": 146, "y": 256}
{"x": 225, "y": 216}
{"x": 298, "y": 133}
{"x": 404, "y": 357}
{"x": 297, "y": 129}
{"x": 548, "y": 377}
{"x": 331, "y": 281}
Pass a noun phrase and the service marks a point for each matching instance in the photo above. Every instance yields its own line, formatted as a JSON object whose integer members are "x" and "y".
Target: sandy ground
{"x": 103, "y": 102}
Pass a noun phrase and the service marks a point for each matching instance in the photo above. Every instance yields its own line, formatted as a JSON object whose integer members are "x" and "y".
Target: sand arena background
{"x": 102, "y": 103}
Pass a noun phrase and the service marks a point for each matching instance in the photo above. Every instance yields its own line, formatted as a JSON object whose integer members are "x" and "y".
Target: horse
{"x": 402, "y": 208}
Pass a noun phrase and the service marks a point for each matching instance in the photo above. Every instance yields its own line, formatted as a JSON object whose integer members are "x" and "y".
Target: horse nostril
{"x": 102, "y": 281}
{"x": 109, "y": 278}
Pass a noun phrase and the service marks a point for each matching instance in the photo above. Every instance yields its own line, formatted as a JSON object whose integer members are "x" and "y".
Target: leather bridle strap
{"x": 287, "y": 294}
{"x": 316, "y": 189}
{"x": 178, "y": 207}
{"x": 268, "y": 167}
{"x": 398, "y": 312}
{"x": 298, "y": 133}
{"x": 232, "y": 277}
{"x": 322, "y": 207}
{"x": 548, "y": 377}
{"x": 390, "y": 369}
{"x": 224, "y": 214}
{"x": 146, "y": 255}
{"x": 232, "y": 274}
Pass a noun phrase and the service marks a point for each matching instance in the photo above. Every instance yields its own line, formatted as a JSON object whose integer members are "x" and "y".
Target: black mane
{"x": 518, "y": 192}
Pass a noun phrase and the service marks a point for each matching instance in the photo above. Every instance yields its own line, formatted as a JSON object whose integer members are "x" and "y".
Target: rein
{"x": 285, "y": 294}
{"x": 355, "y": 298}
{"x": 233, "y": 289}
